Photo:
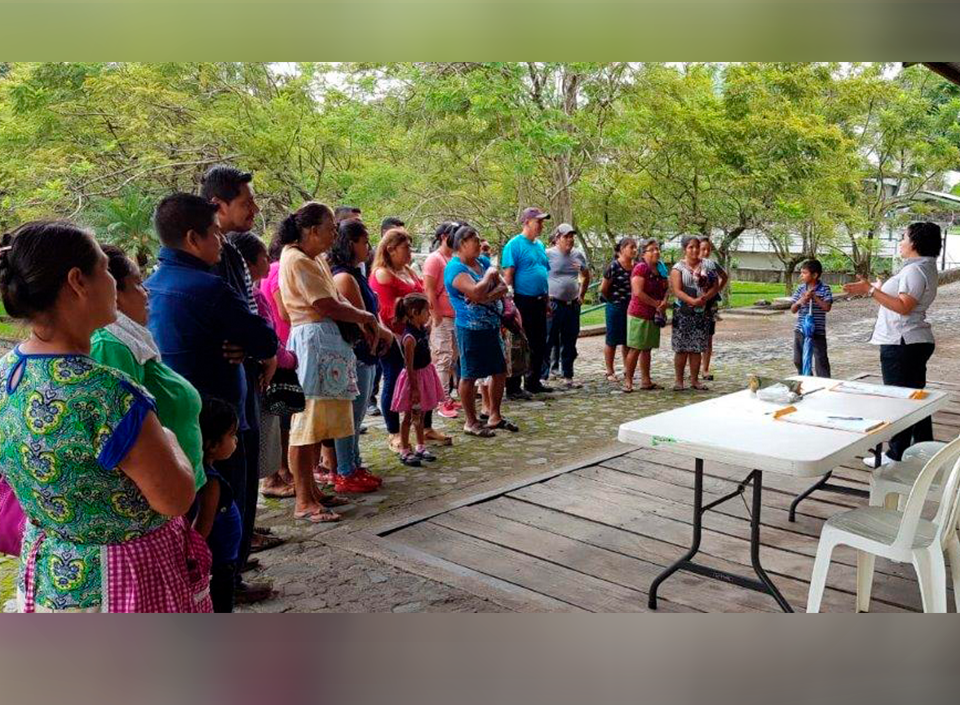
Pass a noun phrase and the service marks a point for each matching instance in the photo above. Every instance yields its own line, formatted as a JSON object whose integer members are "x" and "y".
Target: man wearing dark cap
{"x": 569, "y": 279}
{"x": 525, "y": 267}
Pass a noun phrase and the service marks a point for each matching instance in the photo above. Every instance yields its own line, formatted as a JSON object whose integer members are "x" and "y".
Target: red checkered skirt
{"x": 167, "y": 570}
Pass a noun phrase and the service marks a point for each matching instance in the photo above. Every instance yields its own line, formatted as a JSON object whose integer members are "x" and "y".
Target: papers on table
{"x": 879, "y": 390}
{"x": 838, "y": 422}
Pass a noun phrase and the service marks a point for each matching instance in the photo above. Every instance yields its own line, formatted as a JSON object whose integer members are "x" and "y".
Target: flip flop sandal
{"x": 289, "y": 491}
{"x": 479, "y": 432}
{"x": 679, "y": 388}
{"x": 265, "y": 543}
{"x": 322, "y": 516}
{"x": 700, "y": 387}
{"x": 708, "y": 378}
{"x": 612, "y": 377}
{"x": 651, "y": 387}
{"x": 505, "y": 424}
{"x": 627, "y": 390}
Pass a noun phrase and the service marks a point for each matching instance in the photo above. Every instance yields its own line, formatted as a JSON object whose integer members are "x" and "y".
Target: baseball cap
{"x": 564, "y": 229}
{"x": 533, "y": 213}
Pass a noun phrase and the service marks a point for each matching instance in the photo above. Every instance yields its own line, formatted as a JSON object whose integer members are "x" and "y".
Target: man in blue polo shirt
{"x": 525, "y": 268}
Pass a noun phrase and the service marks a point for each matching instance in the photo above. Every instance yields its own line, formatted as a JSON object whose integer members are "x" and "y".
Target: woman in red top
{"x": 392, "y": 278}
{"x": 649, "y": 288}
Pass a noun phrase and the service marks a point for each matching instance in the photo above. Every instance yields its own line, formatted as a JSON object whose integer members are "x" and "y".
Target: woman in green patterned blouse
{"x": 127, "y": 345}
{"x": 97, "y": 476}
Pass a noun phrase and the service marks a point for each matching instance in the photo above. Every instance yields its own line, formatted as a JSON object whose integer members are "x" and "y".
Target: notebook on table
{"x": 878, "y": 390}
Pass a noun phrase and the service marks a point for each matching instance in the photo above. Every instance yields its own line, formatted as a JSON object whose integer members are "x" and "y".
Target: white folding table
{"x": 741, "y": 430}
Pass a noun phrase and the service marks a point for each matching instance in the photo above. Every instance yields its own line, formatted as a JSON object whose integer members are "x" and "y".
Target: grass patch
{"x": 11, "y": 331}
{"x": 748, "y": 293}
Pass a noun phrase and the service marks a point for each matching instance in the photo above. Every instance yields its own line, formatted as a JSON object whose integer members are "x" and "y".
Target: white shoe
{"x": 871, "y": 460}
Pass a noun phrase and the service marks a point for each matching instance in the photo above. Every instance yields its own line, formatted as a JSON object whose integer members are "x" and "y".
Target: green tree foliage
{"x": 793, "y": 151}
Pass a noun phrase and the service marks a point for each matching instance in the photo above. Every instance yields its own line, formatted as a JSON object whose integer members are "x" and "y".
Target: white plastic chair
{"x": 890, "y": 484}
{"x": 904, "y": 537}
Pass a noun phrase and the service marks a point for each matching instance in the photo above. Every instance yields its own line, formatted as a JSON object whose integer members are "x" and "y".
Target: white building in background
{"x": 753, "y": 251}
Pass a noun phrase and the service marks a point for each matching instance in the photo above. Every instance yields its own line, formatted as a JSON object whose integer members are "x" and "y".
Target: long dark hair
{"x": 348, "y": 232}
{"x": 291, "y": 228}
{"x": 35, "y": 260}
{"x": 119, "y": 265}
{"x": 409, "y": 305}
{"x": 621, "y": 243}
{"x": 444, "y": 233}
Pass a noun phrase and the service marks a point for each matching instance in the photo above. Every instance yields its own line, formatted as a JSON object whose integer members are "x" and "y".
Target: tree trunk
{"x": 788, "y": 270}
{"x": 562, "y": 204}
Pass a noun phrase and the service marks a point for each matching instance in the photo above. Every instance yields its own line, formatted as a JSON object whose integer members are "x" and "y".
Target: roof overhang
{"x": 950, "y": 70}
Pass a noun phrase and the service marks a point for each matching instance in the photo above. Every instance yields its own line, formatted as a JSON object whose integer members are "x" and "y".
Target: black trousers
{"x": 563, "y": 330}
{"x": 222, "y": 578}
{"x": 533, "y": 311}
{"x": 906, "y": 366}
{"x": 821, "y": 363}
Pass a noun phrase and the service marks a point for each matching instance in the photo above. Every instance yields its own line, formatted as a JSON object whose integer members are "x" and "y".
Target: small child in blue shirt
{"x": 218, "y": 517}
{"x": 812, "y": 296}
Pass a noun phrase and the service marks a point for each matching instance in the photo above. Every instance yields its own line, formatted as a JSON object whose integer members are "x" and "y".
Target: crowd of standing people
{"x": 144, "y": 415}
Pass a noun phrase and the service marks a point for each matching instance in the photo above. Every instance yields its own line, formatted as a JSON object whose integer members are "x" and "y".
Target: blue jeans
{"x": 563, "y": 329}
{"x": 348, "y": 448}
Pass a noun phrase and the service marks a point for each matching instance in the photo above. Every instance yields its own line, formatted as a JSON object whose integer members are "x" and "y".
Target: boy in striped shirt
{"x": 812, "y": 296}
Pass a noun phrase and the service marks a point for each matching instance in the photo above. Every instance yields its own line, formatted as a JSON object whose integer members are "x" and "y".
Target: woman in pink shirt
{"x": 443, "y": 336}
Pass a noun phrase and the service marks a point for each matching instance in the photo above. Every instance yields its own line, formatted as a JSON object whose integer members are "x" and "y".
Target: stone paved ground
{"x": 556, "y": 430}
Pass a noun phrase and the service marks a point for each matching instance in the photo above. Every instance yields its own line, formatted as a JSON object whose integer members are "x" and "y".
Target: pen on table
{"x": 847, "y": 418}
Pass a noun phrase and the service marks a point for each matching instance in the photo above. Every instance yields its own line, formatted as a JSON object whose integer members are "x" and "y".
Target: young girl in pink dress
{"x": 418, "y": 389}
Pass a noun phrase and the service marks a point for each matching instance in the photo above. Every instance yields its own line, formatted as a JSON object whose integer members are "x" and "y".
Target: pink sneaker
{"x": 447, "y": 410}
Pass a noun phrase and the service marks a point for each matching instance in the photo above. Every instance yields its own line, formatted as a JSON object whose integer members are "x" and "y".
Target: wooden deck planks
{"x": 783, "y": 554}
{"x": 663, "y": 552}
{"x": 593, "y": 539}
{"x": 581, "y": 591}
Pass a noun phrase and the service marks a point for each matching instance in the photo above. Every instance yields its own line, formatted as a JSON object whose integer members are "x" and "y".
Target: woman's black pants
{"x": 906, "y": 366}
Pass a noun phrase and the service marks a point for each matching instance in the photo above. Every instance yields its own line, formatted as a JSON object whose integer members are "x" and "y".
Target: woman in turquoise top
{"x": 82, "y": 448}
{"x": 127, "y": 345}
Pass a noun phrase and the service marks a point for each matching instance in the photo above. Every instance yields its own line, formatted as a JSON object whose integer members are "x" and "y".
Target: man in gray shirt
{"x": 568, "y": 279}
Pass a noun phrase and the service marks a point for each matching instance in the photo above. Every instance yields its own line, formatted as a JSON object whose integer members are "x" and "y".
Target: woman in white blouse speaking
{"x": 902, "y": 331}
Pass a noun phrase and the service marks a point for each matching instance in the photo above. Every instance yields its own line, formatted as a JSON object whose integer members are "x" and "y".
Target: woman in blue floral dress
{"x": 80, "y": 445}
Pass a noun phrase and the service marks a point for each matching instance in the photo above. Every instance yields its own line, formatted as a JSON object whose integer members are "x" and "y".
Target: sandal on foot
{"x": 651, "y": 387}
{"x": 700, "y": 387}
{"x": 479, "y": 431}
{"x": 504, "y": 423}
{"x": 410, "y": 459}
{"x": 708, "y": 378}
{"x": 321, "y": 516}
{"x": 626, "y": 390}
{"x": 679, "y": 388}
{"x": 265, "y": 543}
{"x": 425, "y": 455}
{"x": 279, "y": 493}
{"x": 612, "y": 377}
